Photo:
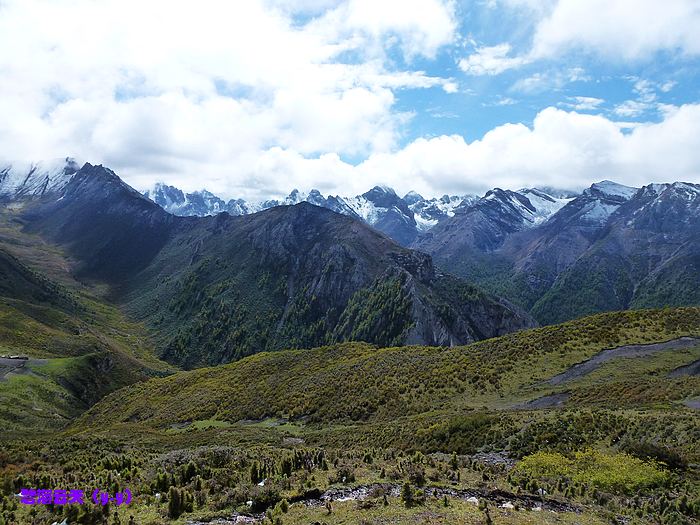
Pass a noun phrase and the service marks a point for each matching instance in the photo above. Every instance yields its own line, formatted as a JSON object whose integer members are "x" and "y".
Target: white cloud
{"x": 450, "y": 87}
{"x": 668, "y": 86}
{"x": 562, "y": 149}
{"x": 492, "y": 60}
{"x": 619, "y": 29}
{"x": 420, "y": 27}
{"x": 647, "y": 99}
{"x": 550, "y": 80}
{"x": 584, "y": 103}
{"x": 631, "y": 108}
{"x": 210, "y": 86}
{"x": 252, "y": 99}
{"x": 505, "y": 101}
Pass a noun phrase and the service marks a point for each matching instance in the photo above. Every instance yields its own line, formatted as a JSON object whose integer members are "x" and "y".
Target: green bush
{"x": 620, "y": 473}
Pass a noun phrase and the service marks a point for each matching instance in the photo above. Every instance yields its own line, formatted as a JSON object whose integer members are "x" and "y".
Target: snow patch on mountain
{"x": 364, "y": 208}
{"x": 599, "y": 212}
{"x": 545, "y": 204}
{"x": 429, "y": 212}
{"x": 612, "y": 189}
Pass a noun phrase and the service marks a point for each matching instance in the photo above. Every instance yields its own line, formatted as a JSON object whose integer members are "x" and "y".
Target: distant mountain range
{"x": 215, "y": 289}
{"x": 557, "y": 254}
{"x": 611, "y": 248}
{"x": 401, "y": 218}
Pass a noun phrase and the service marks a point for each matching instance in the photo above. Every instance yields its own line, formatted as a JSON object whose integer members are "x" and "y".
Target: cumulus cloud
{"x": 561, "y": 149}
{"x": 619, "y": 29}
{"x": 254, "y": 98}
{"x": 616, "y": 30}
{"x": 166, "y": 86}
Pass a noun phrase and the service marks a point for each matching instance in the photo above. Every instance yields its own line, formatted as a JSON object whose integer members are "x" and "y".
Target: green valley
{"x": 404, "y": 435}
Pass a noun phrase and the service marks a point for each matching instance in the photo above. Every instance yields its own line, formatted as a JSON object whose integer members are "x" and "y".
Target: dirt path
{"x": 8, "y": 366}
{"x": 693, "y": 369}
{"x": 588, "y": 366}
{"x": 548, "y": 401}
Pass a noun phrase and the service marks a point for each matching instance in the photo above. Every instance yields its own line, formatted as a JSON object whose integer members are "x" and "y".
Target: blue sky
{"x": 252, "y": 99}
{"x": 579, "y": 80}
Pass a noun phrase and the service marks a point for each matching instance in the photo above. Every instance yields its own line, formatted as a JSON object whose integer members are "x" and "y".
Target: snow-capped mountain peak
{"x": 19, "y": 180}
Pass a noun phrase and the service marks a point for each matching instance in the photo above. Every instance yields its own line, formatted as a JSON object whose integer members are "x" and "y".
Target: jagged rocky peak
{"x": 22, "y": 180}
{"x": 315, "y": 197}
{"x": 412, "y": 197}
{"x": 689, "y": 190}
{"x": 429, "y": 212}
{"x": 402, "y": 218}
{"x": 200, "y": 203}
{"x": 165, "y": 195}
{"x": 512, "y": 201}
{"x": 295, "y": 197}
{"x": 382, "y": 196}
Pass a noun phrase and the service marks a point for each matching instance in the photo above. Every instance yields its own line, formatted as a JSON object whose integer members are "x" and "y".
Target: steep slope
{"x": 355, "y": 382}
{"x": 301, "y": 276}
{"x": 109, "y": 227}
{"x": 78, "y": 350}
{"x": 217, "y": 288}
{"x": 648, "y": 254}
{"x": 387, "y": 212}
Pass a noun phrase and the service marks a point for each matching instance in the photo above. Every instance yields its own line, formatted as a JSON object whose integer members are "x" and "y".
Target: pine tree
{"x": 407, "y": 495}
{"x": 174, "y": 503}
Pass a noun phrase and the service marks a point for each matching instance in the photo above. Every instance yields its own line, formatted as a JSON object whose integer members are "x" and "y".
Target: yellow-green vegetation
{"x": 620, "y": 473}
{"x": 407, "y": 434}
{"x": 301, "y": 485}
{"x": 359, "y": 382}
{"x": 456, "y": 512}
{"x": 79, "y": 347}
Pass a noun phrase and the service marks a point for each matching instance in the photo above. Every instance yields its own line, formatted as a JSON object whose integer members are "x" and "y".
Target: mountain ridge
{"x": 606, "y": 249}
{"x": 216, "y": 288}
{"x": 404, "y": 219}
